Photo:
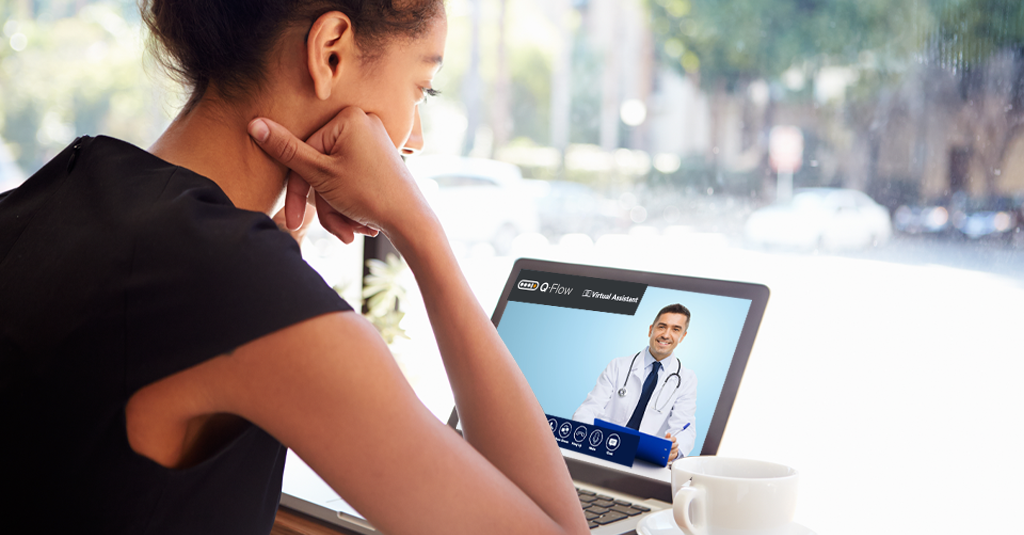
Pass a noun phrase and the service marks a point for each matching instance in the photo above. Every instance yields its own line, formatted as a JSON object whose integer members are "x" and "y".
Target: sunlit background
{"x": 682, "y": 136}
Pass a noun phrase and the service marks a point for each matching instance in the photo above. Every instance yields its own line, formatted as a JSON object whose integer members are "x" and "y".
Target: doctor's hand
{"x": 675, "y": 447}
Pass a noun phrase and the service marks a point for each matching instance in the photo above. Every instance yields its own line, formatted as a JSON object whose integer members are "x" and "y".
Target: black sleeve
{"x": 207, "y": 277}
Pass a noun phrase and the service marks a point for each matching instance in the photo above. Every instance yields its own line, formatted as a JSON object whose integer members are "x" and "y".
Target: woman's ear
{"x": 330, "y": 47}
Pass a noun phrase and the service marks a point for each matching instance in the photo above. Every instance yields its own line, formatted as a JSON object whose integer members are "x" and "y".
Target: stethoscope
{"x": 679, "y": 381}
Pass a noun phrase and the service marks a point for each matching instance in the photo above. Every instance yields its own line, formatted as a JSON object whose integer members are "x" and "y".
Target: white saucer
{"x": 662, "y": 523}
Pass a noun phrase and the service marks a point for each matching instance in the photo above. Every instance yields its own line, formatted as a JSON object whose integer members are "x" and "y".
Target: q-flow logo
{"x": 530, "y": 286}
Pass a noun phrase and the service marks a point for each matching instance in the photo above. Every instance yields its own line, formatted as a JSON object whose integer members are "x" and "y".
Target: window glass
{"x": 713, "y": 138}
{"x": 698, "y": 137}
{"x": 461, "y": 181}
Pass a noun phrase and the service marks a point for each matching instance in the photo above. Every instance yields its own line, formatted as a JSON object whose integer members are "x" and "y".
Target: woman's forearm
{"x": 499, "y": 413}
{"x": 362, "y": 178}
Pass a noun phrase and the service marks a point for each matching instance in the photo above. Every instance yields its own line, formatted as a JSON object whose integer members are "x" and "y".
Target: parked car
{"x": 477, "y": 200}
{"x": 922, "y": 219}
{"x": 570, "y": 207}
{"x": 827, "y": 218}
{"x": 980, "y": 218}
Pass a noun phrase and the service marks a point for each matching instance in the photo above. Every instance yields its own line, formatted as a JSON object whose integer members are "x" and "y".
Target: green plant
{"x": 382, "y": 292}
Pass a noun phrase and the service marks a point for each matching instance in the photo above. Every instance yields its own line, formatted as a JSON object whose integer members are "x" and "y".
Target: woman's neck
{"x": 211, "y": 139}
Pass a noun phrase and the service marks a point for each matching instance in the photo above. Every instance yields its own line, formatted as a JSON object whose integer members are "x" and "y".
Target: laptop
{"x": 571, "y": 329}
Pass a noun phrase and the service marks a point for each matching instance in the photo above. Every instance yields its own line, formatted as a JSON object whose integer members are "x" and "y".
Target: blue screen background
{"x": 562, "y": 351}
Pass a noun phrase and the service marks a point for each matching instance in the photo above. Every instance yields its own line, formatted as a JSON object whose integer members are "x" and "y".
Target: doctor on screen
{"x": 650, "y": 390}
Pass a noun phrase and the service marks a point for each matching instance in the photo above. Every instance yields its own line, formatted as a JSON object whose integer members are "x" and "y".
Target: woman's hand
{"x": 505, "y": 472}
{"x": 304, "y": 208}
{"x": 298, "y": 199}
{"x": 299, "y": 233}
{"x": 361, "y": 182}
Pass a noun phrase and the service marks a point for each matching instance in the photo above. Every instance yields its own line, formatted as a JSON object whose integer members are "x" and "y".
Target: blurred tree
{"x": 531, "y": 79}
{"x": 982, "y": 43}
{"x": 730, "y": 43}
{"x": 472, "y": 81}
{"x": 725, "y": 45}
{"x": 585, "y": 114}
{"x": 75, "y": 69}
{"x": 501, "y": 120}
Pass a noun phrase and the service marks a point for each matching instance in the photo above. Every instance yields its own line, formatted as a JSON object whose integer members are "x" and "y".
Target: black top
{"x": 118, "y": 269}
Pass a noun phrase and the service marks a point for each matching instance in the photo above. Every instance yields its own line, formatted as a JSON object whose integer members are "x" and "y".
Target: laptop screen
{"x": 587, "y": 340}
{"x": 582, "y": 333}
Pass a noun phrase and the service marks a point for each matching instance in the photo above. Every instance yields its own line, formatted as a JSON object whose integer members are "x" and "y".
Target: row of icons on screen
{"x": 580, "y": 434}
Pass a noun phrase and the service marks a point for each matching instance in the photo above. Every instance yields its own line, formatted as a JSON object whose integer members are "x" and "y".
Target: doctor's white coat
{"x": 679, "y": 405}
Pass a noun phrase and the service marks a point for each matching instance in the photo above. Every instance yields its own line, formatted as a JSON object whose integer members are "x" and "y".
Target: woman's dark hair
{"x": 227, "y": 41}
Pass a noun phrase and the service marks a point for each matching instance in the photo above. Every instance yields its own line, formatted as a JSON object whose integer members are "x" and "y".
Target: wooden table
{"x": 289, "y": 522}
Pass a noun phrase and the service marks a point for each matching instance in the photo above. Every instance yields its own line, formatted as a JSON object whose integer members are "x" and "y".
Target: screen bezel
{"x": 756, "y": 293}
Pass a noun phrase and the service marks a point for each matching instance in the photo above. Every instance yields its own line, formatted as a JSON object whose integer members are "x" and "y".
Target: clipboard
{"x": 651, "y": 448}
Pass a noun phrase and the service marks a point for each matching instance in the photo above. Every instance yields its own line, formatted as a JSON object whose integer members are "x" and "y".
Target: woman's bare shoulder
{"x": 264, "y": 381}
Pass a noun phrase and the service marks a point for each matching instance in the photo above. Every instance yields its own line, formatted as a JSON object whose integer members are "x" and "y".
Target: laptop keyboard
{"x": 601, "y": 509}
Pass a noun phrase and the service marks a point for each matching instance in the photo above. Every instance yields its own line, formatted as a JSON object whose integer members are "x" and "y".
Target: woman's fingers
{"x": 338, "y": 224}
{"x": 300, "y": 231}
{"x": 284, "y": 147}
{"x": 295, "y": 199}
{"x": 350, "y": 162}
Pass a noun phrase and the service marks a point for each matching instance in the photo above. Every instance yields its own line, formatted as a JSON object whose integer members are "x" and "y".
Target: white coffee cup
{"x": 724, "y": 496}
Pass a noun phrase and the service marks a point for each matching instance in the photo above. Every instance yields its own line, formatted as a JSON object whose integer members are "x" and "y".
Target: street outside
{"x": 888, "y": 377}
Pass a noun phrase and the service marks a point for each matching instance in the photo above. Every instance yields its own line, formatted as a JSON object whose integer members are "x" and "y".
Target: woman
{"x": 162, "y": 339}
